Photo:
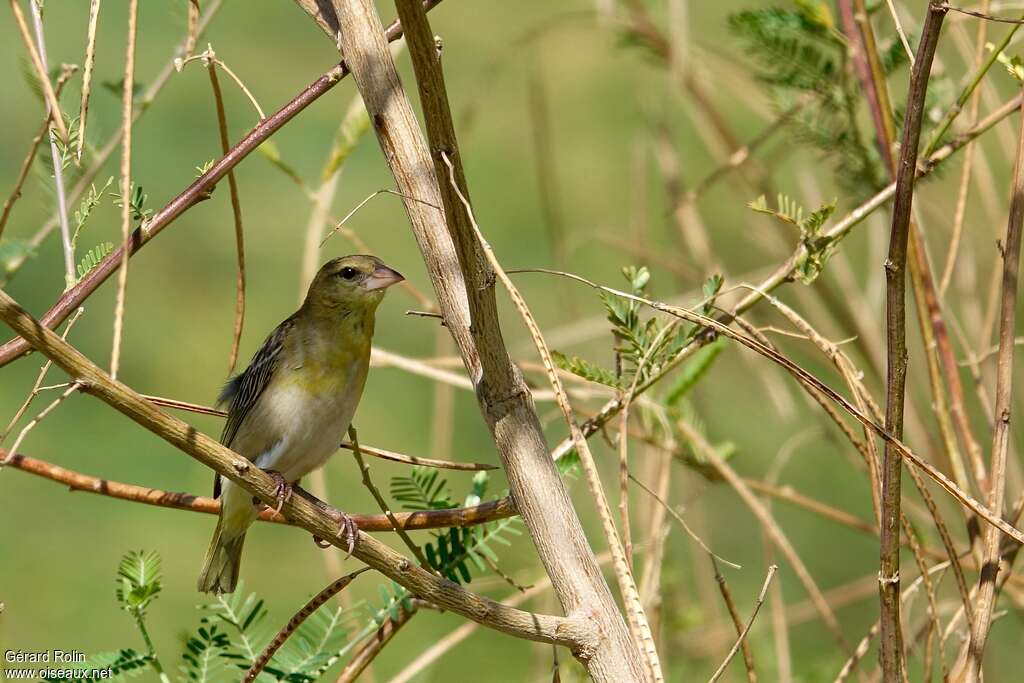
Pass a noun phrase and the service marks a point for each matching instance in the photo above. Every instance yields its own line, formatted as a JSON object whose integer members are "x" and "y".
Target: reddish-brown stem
{"x": 77, "y": 481}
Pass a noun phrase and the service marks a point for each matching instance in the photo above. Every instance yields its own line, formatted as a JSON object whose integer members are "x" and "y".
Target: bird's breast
{"x": 311, "y": 408}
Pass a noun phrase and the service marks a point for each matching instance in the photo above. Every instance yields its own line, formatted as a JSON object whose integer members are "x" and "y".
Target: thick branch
{"x": 464, "y": 288}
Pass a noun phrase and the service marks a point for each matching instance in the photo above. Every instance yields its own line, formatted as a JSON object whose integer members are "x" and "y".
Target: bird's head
{"x": 351, "y": 282}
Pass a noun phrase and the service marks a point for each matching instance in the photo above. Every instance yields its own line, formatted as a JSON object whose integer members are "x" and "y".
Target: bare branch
{"x": 757, "y": 607}
{"x": 423, "y": 519}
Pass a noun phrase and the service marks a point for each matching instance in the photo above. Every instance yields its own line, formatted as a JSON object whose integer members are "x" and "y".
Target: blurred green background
{"x": 604, "y": 100}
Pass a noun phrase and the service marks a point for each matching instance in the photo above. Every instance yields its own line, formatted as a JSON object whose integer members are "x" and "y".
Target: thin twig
{"x": 418, "y": 461}
{"x": 891, "y": 639}
{"x": 368, "y": 483}
{"x": 209, "y": 57}
{"x": 37, "y": 387}
{"x": 730, "y": 604}
{"x": 41, "y": 71}
{"x": 236, "y": 210}
{"x": 757, "y": 607}
{"x": 192, "y": 29}
{"x": 55, "y": 154}
{"x": 72, "y": 388}
{"x": 90, "y": 62}
{"x": 981, "y": 15}
{"x": 806, "y": 378}
{"x": 375, "y": 644}
{"x": 770, "y": 526}
{"x": 686, "y": 527}
{"x": 288, "y": 629}
{"x": 126, "y": 186}
{"x": 1001, "y": 435}
{"x": 900, "y": 31}
{"x": 424, "y": 519}
{"x": 26, "y": 165}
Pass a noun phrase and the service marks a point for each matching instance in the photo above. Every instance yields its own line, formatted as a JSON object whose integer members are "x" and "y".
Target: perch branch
{"x": 577, "y": 632}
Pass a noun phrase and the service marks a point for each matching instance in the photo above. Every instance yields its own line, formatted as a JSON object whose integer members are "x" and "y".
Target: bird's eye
{"x": 348, "y": 273}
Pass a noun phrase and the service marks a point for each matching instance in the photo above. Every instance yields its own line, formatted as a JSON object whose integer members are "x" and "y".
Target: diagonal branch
{"x": 576, "y": 632}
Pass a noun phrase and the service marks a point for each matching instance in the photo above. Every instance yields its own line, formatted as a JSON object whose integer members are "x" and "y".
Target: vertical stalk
{"x": 891, "y": 645}
{"x": 1000, "y": 439}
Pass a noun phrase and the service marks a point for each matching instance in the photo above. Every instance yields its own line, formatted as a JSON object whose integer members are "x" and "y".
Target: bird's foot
{"x": 283, "y": 490}
{"x": 347, "y": 529}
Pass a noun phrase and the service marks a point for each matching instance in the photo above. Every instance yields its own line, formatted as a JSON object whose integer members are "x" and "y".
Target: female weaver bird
{"x": 288, "y": 411}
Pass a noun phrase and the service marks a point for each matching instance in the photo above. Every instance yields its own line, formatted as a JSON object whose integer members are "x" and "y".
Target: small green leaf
{"x": 585, "y": 369}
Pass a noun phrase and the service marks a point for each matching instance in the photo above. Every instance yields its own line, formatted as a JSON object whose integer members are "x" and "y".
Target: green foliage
{"x": 123, "y": 664}
{"x": 90, "y": 201}
{"x": 138, "y": 578}
{"x": 819, "y": 247}
{"x": 233, "y": 630}
{"x": 204, "y": 167}
{"x": 423, "y": 489}
{"x": 801, "y": 56}
{"x": 205, "y": 656}
{"x": 585, "y": 369}
{"x": 642, "y": 347}
{"x": 136, "y": 203}
{"x": 796, "y": 48}
{"x": 67, "y": 149}
{"x": 93, "y": 257}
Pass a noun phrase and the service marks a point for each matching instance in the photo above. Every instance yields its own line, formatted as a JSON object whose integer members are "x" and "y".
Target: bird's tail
{"x": 220, "y": 568}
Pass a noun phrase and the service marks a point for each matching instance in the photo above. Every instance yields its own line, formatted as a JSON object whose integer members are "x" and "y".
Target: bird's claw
{"x": 347, "y": 529}
{"x": 283, "y": 490}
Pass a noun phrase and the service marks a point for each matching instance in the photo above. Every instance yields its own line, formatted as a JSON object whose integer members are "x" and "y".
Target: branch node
{"x": 893, "y": 580}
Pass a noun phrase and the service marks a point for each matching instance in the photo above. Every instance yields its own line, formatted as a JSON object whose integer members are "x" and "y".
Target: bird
{"x": 289, "y": 409}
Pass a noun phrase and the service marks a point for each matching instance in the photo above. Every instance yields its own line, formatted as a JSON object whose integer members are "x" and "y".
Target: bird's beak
{"x": 383, "y": 277}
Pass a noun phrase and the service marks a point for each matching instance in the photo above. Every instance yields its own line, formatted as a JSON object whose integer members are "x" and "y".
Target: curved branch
{"x": 578, "y": 632}
{"x": 189, "y": 197}
{"x": 177, "y": 500}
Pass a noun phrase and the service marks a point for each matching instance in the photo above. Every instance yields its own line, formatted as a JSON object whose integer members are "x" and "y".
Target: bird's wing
{"x": 243, "y": 390}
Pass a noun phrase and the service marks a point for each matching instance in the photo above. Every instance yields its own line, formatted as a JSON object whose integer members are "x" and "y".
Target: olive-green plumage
{"x": 289, "y": 410}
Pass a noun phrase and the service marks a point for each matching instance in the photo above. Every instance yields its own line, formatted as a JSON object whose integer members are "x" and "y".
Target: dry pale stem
{"x": 126, "y": 186}
{"x": 986, "y": 596}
